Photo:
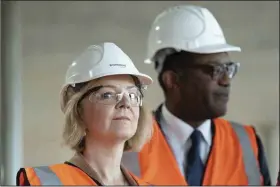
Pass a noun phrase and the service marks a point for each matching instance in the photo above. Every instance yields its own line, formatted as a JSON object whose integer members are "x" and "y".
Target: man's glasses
{"x": 218, "y": 71}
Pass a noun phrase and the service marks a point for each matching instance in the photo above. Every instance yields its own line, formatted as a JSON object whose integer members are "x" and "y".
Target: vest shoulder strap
{"x": 131, "y": 162}
{"x": 47, "y": 176}
{"x": 249, "y": 159}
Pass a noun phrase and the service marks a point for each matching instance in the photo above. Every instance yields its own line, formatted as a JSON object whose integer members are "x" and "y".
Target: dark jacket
{"x": 263, "y": 163}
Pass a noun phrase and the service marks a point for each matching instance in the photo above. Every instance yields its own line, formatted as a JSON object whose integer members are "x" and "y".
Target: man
{"x": 191, "y": 144}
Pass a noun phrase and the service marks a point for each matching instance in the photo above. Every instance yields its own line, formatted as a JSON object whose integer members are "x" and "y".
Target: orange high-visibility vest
{"x": 232, "y": 159}
{"x": 60, "y": 174}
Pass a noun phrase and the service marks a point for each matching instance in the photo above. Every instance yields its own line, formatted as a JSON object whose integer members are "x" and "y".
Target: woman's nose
{"x": 124, "y": 102}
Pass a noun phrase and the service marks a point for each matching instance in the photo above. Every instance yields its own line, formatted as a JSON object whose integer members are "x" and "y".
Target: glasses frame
{"x": 119, "y": 96}
{"x": 217, "y": 71}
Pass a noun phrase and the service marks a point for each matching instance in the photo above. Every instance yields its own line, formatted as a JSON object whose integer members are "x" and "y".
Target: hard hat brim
{"x": 216, "y": 49}
{"x": 143, "y": 78}
{"x": 206, "y": 50}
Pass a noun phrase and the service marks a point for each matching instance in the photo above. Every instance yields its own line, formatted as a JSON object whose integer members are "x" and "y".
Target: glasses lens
{"x": 230, "y": 69}
{"x": 218, "y": 71}
{"x": 111, "y": 96}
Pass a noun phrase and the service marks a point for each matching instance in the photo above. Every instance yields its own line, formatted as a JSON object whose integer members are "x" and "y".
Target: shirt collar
{"x": 182, "y": 130}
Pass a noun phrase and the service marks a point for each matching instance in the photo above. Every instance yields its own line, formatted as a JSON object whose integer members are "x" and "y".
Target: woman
{"x": 104, "y": 116}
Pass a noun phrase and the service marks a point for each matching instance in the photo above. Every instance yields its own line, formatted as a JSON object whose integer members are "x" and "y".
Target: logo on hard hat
{"x": 119, "y": 65}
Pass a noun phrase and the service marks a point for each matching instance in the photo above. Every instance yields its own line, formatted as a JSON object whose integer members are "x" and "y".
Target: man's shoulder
{"x": 239, "y": 128}
{"x": 233, "y": 122}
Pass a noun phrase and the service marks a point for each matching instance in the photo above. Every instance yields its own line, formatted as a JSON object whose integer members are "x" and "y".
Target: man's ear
{"x": 170, "y": 80}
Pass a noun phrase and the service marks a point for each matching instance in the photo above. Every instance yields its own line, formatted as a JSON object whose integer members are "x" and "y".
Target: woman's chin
{"x": 124, "y": 129}
{"x": 124, "y": 135}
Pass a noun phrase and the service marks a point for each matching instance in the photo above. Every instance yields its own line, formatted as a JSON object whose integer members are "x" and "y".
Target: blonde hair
{"x": 74, "y": 129}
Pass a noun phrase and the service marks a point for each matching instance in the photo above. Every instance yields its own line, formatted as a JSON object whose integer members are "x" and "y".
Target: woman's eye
{"x": 107, "y": 95}
{"x": 133, "y": 96}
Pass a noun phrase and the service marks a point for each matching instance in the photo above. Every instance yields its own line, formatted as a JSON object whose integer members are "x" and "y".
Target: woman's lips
{"x": 121, "y": 118}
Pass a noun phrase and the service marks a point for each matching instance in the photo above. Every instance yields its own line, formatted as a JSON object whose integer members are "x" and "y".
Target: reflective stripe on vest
{"x": 46, "y": 176}
{"x": 131, "y": 162}
{"x": 249, "y": 159}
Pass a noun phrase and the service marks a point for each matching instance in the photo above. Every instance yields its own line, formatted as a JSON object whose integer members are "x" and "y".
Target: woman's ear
{"x": 81, "y": 118}
{"x": 80, "y": 111}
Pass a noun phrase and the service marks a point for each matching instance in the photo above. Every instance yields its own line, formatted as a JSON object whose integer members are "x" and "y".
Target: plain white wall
{"x": 54, "y": 34}
{"x": 273, "y": 151}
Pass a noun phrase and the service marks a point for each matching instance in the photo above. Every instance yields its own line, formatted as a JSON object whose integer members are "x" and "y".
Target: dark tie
{"x": 194, "y": 169}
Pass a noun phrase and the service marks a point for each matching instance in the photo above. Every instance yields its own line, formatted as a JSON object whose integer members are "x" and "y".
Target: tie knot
{"x": 196, "y": 136}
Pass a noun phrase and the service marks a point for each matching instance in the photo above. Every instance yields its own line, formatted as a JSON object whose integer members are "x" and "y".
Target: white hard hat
{"x": 189, "y": 28}
{"x": 102, "y": 60}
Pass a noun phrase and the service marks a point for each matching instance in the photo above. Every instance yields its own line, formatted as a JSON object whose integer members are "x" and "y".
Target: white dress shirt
{"x": 178, "y": 135}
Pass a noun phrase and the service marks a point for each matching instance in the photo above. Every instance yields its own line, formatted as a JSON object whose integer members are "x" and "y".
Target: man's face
{"x": 204, "y": 86}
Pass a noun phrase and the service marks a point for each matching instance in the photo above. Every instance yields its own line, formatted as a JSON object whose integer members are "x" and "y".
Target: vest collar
{"x": 79, "y": 161}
